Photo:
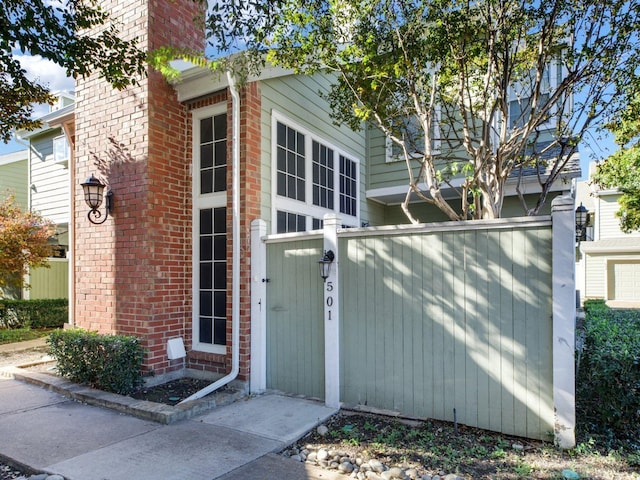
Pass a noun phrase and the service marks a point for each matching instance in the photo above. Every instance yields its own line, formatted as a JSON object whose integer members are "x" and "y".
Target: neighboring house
{"x": 608, "y": 265}
{"x": 47, "y": 187}
{"x": 190, "y": 167}
{"x": 14, "y": 168}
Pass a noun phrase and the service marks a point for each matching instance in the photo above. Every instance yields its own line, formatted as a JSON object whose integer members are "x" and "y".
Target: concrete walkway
{"x": 52, "y": 433}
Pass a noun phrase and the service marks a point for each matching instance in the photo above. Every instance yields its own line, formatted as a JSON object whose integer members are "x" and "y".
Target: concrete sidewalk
{"x": 51, "y": 433}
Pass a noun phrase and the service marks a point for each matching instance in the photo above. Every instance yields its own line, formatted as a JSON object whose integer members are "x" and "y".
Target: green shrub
{"x": 112, "y": 363}
{"x": 608, "y": 383}
{"x": 41, "y": 313}
{"x": 595, "y": 306}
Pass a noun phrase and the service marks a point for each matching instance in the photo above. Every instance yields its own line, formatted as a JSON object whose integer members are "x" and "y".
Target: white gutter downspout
{"x": 235, "y": 252}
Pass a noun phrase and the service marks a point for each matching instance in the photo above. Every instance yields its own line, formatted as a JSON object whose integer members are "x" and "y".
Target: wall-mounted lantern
{"x": 93, "y": 189}
{"x": 325, "y": 264}
{"x": 582, "y": 221}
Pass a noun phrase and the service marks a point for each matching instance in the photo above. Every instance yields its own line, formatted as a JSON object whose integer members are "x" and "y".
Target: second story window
{"x": 311, "y": 178}
{"x": 61, "y": 150}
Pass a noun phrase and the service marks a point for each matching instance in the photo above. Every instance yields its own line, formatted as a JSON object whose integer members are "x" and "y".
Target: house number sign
{"x": 329, "y": 299}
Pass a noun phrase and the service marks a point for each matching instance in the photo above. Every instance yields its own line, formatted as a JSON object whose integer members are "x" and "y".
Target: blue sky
{"x": 595, "y": 146}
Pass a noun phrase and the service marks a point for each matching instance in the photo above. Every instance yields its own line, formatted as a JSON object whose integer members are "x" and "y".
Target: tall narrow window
{"x": 348, "y": 186}
{"x": 213, "y": 276}
{"x": 322, "y": 176}
{"x": 291, "y": 163}
{"x": 210, "y": 229}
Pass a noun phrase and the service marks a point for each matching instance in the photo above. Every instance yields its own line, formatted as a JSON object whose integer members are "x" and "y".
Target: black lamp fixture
{"x": 93, "y": 189}
{"x": 582, "y": 221}
{"x": 325, "y": 264}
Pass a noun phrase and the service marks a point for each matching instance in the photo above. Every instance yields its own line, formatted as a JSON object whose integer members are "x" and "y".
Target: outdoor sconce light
{"x": 325, "y": 264}
{"x": 93, "y": 189}
{"x": 582, "y": 220}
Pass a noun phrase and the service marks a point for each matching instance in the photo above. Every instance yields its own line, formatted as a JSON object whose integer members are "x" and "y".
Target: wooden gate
{"x": 295, "y": 329}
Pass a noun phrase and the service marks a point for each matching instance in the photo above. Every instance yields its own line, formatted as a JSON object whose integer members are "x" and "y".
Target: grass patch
{"x": 15, "y": 335}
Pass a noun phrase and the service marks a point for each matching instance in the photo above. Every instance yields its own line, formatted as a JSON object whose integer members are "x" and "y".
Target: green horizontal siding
{"x": 13, "y": 181}
{"x": 50, "y": 282}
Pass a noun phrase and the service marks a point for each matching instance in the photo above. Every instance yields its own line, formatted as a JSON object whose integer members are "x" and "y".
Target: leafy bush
{"x": 41, "y": 313}
{"x": 608, "y": 383}
{"x": 595, "y": 306}
{"x": 112, "y": 363}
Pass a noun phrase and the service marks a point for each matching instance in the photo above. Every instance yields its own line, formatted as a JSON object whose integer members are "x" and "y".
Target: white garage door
{"x": 624, "y": 280}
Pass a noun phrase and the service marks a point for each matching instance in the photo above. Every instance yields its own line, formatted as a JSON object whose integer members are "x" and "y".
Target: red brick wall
{"x": 250, "y": 161}
{"x": 250, "y": 190}
{"x": 133, "y": 273}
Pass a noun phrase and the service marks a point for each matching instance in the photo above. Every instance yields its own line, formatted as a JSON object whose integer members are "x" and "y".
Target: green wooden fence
{"x": 433, "y": 321}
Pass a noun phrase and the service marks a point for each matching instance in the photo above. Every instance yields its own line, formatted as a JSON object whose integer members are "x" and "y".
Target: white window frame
{"x": 307, "y": 208}
{"x": 66, "y": 150}
{"x": 208, "y": 200}
{"x": 436, "y": 141}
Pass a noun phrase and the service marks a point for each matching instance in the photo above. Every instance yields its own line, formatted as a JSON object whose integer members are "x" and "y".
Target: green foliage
{"x": 595, "y": 307}
{"x": 41, "y": 313}
{"x": 608, "y": 383}
{"x": 112, "y": 363}
{"x": 51, "y": 30}
{"x": 409, "y": 67}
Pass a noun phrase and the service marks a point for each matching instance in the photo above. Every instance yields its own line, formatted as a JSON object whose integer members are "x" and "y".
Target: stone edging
{"x": 156, "y": 412}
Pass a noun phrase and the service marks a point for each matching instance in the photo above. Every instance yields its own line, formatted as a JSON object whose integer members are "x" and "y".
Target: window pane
{"x": 220, "y": 247}
{"x": 291, "y": 163}
{"x": 291, "y": 187}
{"x": 282, "y": 184}
{"x": 206, "y": 303}
{"x": 206, "y": 130}
{"x": 291, "y": 139}
{"x": 220, "y": 220}
{"x": 206, "y": 248}
{"x": 221, "y": 153}
{"x": 206, "y": 330}
{"x": 206, "y": 181}
{"x": 302, "y": 223}
{"x": 220, "y": 275}
{"x": 220, "y": 179}
{"x": 220, "y": 331}
{"x": 220, "y": 126}
{"x": 282, "y": 160}
{"x": 281, "y": 222}
{"x": 205, "y": 275}
{"x": 220, "y": 304}
{"x": 206, "y": 156}
{"x": 291, "y": 222}
{"x": 206, "y": 221}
